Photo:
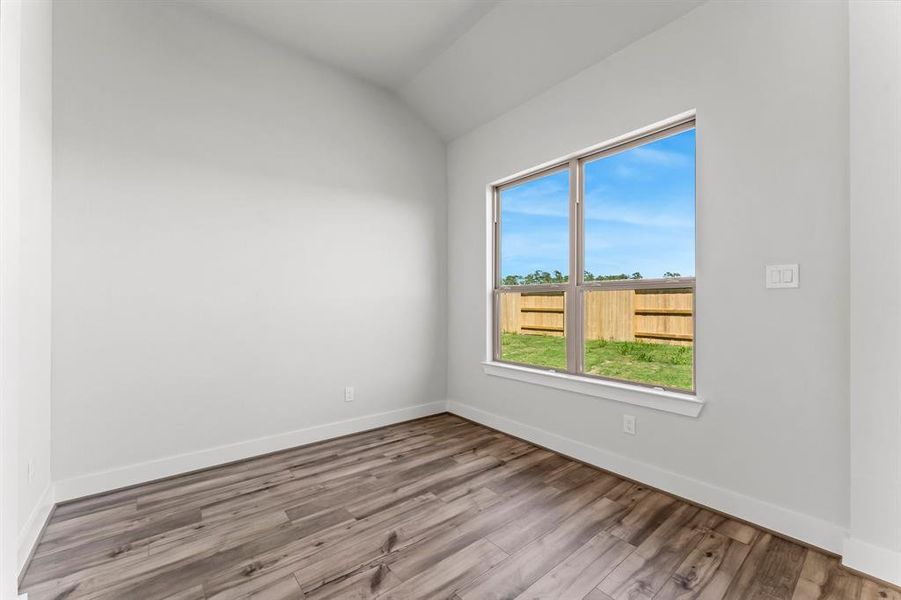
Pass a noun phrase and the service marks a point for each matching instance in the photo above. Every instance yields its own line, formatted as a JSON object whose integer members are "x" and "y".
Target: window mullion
{"x": 495, "y": 275}
{"x": 573, "y": 297}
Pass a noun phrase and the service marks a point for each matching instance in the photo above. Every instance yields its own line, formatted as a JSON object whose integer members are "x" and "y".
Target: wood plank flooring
{"x": 433, "y": 508}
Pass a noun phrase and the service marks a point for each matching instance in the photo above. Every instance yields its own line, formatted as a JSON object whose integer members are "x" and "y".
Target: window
{"x": 594, "y": 263}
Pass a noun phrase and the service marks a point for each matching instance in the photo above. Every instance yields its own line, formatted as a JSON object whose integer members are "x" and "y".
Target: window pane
{"x": 533, "y": 329}
{"x": 645, "y": 336}
{"x": 640, "y": 211}
{"x": 534, "y": 232}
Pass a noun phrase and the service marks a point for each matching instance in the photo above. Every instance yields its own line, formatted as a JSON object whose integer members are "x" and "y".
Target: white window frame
{"x": 684, "y": 402}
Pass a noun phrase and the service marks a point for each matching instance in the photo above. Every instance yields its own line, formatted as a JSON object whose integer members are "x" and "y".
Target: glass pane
{"x": 533, "y": 328}
{"x": 645, "y": 336}
{"x": 534, "y": 236}
{"x": 640, "y": 211}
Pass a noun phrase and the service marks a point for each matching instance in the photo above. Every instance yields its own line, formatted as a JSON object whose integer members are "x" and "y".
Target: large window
{"x": 594, "y": 263}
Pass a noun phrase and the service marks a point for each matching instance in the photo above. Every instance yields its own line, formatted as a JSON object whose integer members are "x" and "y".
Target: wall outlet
{"x": 348, "y": 394}
{"x": 29, "y": 473}
{"x": 629, "y": 424}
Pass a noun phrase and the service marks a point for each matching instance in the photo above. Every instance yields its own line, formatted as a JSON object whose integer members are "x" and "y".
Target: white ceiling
{"x": 386, "y": 42}
{"x": 459, "y": 63}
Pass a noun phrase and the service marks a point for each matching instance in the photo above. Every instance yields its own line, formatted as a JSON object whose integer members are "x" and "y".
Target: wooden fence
{"x": 662, "y": 316}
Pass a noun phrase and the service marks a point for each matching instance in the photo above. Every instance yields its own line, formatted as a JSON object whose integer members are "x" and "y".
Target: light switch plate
{"x": 782, "y": 276}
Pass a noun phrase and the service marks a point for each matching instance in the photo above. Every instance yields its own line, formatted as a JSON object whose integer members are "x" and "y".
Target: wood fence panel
{"x": 542, "y": 314}
{"x": 649, "y": 315}
{"x": 608, "y": 315}
{"x": 509, "y": 317}
{"x": 664, "y": 316}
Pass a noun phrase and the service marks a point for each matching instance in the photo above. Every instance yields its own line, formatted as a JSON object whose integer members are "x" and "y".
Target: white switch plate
{"x": 782, "y": 276}
{"x": 348, "y": 394}
{"x": 629, "y": 424}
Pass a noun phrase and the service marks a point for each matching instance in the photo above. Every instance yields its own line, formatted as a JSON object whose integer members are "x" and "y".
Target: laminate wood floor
{"x": 433, "y": 508}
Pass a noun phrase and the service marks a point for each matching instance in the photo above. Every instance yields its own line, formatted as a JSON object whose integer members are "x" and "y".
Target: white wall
{"x": 10, "y": 93}
{"x": 874, "y": 545}
{"x": 25, "y": 173}
{"x": 36, "y": 149}
{"x": 238, "y": 234}
{"x": 769, "y": 82}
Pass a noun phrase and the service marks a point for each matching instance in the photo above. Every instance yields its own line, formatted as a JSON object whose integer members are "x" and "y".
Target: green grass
{"x": 654, "y": 364}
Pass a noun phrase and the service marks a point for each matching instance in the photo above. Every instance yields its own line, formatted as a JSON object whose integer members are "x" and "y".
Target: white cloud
{"x": 609, "y": 211}
{"x": 659, "y": 158}
{"x": 613, "y": 213}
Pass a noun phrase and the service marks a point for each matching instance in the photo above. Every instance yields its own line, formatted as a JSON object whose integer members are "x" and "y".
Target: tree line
{"x": 538, "y": 276}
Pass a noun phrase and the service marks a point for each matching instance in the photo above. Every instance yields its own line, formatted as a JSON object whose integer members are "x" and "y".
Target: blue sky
{"x": 639, "y": 214}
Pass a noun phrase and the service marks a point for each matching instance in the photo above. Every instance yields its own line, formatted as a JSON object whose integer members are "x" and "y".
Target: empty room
{"x": 450, "y": 299}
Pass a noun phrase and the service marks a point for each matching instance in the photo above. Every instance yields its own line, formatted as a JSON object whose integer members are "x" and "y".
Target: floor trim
{"x": 34, "y": 526}
{"x": 122, "y": 477}
{"x": 874, "y": 561}
{"x": 783, "y": 521}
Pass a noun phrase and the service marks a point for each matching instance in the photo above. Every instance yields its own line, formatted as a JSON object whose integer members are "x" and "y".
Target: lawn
{"x": 655, "y": 364}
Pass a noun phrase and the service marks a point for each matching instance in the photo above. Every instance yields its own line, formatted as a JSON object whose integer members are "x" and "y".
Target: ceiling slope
{"x": 385, "y": 42}
{"x": 520, "y": 49}
{"x": 459, "y": 63}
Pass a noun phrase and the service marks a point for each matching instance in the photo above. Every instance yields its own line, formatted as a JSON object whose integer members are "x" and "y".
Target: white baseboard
{"x": 779, "y": 519}
{"x": 31, "y": 530}
{"x": 876, "y": 561}
{"x": 104, "y": 481}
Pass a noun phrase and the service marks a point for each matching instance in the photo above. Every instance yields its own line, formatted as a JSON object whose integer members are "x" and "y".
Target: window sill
{"x": 667, "y": 401}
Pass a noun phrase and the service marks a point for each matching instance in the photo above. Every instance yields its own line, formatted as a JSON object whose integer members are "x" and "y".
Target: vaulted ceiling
{"x": 459, "y": 63}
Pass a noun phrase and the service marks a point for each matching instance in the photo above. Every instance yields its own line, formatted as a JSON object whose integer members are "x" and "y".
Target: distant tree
{"x": 538, "y": 277}
{"x": 671, "y": 274}
{"x": 589, "y": 276}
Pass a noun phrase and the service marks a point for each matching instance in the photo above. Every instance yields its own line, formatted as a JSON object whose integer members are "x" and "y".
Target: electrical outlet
{"x": 629, "y": 424}
{"x": 348, "y": 394}
{"x": 30, "y": 471}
